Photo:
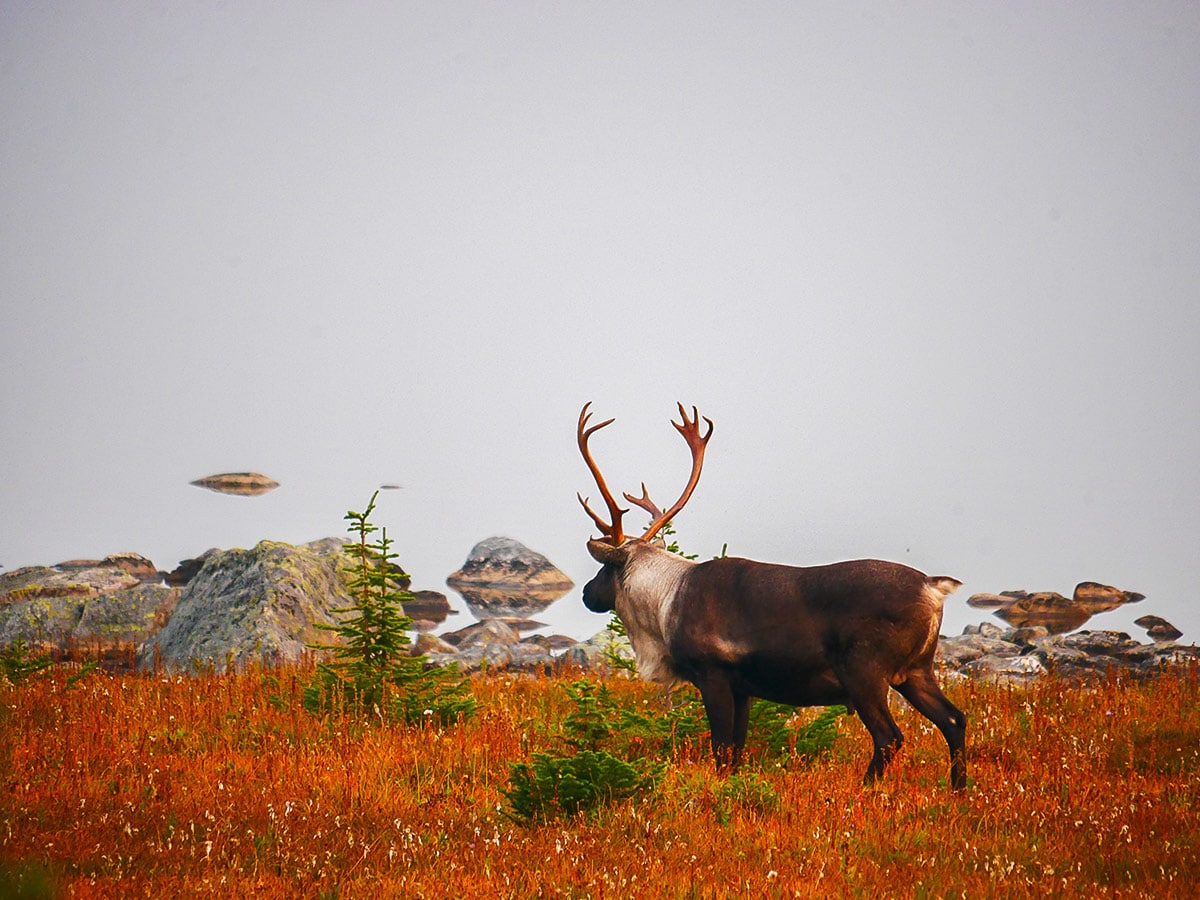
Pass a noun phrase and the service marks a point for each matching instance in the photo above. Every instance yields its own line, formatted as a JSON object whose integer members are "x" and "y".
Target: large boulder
{"x": 264, "y": 604}
{"x": 503, "y": 577}
{"x": 94, "y": 606}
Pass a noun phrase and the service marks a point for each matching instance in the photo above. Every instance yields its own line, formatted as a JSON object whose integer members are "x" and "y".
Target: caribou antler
{"x": 645, "y": 503}
{"x": 613, "y": 531}
{"x": 690, "y": 429}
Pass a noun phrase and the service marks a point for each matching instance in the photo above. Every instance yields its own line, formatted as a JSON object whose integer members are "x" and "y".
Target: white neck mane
{"x": 646, "y": 590}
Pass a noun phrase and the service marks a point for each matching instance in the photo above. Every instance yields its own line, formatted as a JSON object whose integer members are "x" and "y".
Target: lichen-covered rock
{"x": 263, "y": 604}
{"x": 132, "y": 615}
{"x": 97, "y": 605}
{"x": 45, "y": 622}
{"x": 53, "y": 581}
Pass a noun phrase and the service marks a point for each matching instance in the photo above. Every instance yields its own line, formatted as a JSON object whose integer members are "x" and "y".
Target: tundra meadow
{"x": 227, "y": 785}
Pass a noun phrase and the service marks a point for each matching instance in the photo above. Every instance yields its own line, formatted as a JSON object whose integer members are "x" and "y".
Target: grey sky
{"x": 932, "y": 269}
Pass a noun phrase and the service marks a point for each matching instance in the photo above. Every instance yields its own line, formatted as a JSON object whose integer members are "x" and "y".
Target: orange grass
{"x": 154, "y": 786}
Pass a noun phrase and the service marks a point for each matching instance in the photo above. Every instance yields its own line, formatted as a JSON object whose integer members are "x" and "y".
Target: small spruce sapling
{"x": 372, "y": 671}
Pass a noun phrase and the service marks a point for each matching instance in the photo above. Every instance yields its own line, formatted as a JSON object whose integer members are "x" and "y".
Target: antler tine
{"x": 613, "y": 532}
{"x": 690, "y": 429}
{"x": 645, "y": 502}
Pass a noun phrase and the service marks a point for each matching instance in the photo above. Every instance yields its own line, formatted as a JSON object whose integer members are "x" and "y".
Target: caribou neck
{"x": 650, "y": 583}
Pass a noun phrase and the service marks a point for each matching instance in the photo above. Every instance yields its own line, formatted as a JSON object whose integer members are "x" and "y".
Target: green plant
{"x": 372, "y": 671}
{"x": 777, "y": 727}
{"x": 611, "y": 751}
{"x": 600, "y": 720}
{"x": 16, "y": 663}
{"x": 551, "y": 785}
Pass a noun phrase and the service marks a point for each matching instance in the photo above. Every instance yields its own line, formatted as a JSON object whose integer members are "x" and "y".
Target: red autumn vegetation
{"x": 224, "y": 786}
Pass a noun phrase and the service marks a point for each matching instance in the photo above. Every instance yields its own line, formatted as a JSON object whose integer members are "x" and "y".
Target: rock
{"x": 427, "y": 606}
{"x": 132, "y": 615}
{"x": 503, "y": 562}
{"x": 97, "y": 606}
{"x": 427, "y": 644}
{"x": 244, "y": 484}
{"x": 503, "y": 577}
{"x": 593, "y": 654}
{"x": 985, "y": 629}
{"x": 134, "y": 564}
{"x": 490, "y": 631}
{"x": 187, "y": 569}
{"x": 1052, "y": 610}
{"x": 1012, "y": 668}
{"x": 554, "y": 642}
{"x": 1090, "y": 653}
{"x": 1098, "y": 598}
{"x": 51, "y": 581}
{"x": 1025, "y": 636}
{"x": 262, "y": 604}
{"x": 957, "y": 652}
{"x": 1158, "y": 628}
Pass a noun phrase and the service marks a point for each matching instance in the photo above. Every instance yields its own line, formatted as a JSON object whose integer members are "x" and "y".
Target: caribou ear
{"x": 605, "y": 553}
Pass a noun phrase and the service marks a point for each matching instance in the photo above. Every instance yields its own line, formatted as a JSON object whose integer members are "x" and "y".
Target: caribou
{"x": 737, "y": 629}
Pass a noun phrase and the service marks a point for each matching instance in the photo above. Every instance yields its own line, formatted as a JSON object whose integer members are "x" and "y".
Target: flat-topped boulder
{"x": 244, "y": 484}
{"x": 97, "y": 606}
{"x": 1052, "y": 610}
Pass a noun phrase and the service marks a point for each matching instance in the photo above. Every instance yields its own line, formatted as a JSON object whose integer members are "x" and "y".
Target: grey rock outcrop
{"x": 1019, "y": 654}
{"x": 262, "y": 604}
{"x": 95, "y": 606}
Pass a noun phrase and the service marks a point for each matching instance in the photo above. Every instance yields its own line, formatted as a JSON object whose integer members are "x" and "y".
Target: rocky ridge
{"x": 266, "y": 604}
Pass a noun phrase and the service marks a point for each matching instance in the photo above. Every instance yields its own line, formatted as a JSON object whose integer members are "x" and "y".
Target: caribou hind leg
{"x": 922, "y": 691}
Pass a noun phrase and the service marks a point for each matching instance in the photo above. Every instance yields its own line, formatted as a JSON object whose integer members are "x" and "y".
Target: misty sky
{"x": 932, "y": 269}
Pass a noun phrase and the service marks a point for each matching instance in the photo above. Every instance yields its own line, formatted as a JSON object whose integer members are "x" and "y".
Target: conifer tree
{"x": 372, "y": 671}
